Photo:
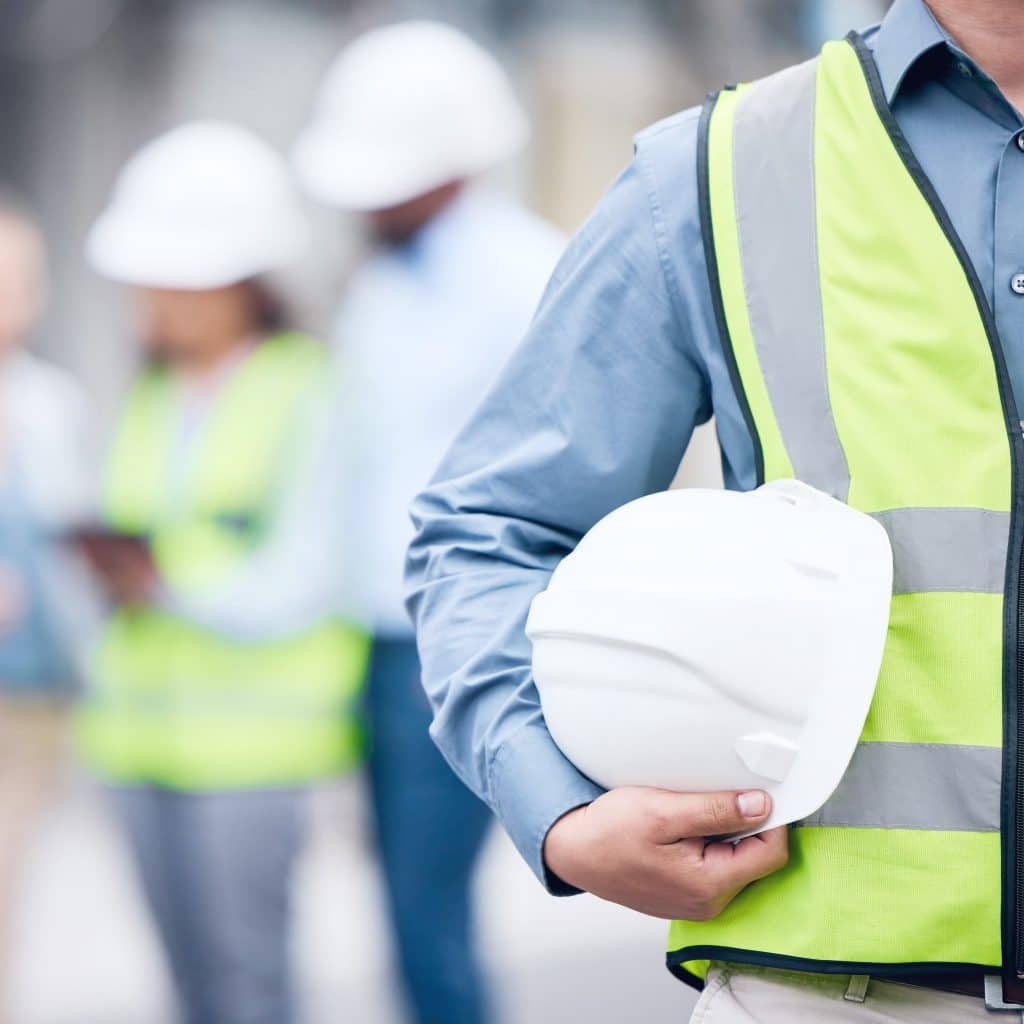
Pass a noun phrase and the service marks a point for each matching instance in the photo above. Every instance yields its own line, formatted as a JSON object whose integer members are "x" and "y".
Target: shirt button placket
{"x": 1017, "y": 280}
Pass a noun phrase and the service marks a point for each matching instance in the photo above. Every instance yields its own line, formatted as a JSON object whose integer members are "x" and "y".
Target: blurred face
{"x": 183, "y": 326}
{"x": 398, "y": 224}
{"x": 21, "y": 280}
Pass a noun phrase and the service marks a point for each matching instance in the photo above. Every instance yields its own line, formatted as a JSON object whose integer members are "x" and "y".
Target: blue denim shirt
{"x": 598, "y": 403}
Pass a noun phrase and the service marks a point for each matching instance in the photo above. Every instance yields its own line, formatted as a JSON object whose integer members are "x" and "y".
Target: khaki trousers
{"x": 738, "y": 994}
{"x": 32, "y": 748}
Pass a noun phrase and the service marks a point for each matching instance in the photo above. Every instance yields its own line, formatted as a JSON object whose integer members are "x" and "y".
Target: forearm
{"x": 488, "y": 721}
{"x": 595, "y": 408}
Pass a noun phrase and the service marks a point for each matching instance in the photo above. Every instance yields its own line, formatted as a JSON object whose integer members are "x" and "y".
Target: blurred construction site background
{"x": 83, "y": 84}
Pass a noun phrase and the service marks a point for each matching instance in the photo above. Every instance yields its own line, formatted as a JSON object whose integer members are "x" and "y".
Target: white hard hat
{"x": 702, "y": 640}
{"x": 403, "y": 110}
{"x": 204, "y": 206}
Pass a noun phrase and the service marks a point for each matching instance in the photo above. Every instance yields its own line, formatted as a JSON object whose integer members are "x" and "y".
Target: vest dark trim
{"x": 711, "y": 262}
{"x": 675, "y": 961}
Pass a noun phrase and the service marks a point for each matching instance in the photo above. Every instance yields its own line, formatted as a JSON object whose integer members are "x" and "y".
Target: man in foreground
{"x": 832, "y": 263}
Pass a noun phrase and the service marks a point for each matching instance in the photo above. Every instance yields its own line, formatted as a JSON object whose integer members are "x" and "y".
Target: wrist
{"x": 561, "y": 845}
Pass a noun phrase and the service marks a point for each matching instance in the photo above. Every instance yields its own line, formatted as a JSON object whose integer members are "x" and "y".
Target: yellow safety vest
{"x": 174, "y": 703}
{"x": 867, "y": 363}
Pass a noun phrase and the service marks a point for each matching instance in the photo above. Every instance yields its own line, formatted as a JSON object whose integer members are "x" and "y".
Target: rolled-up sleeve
{"x": 595, "y": 408}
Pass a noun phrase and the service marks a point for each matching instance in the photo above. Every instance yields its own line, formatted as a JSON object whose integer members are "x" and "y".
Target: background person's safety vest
{"x": 174, "y": 703}
{"x": 867, "y": 364}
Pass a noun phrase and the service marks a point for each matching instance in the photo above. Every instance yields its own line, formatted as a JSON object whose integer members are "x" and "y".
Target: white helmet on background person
{"x": 403, "y": 110}
{"x": 208, "y": 204}
{"x": 701, "y": 640}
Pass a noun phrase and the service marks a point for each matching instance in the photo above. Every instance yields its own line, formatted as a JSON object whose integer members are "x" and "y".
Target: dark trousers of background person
{"x": 430, "y": 829}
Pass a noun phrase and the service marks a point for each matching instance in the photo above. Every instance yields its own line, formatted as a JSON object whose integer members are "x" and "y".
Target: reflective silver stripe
{"x": 926, "y": 786}
{"x": 773, "y": 185}
{"x": 951, "y": 549}
{"x": 934, "y": 549}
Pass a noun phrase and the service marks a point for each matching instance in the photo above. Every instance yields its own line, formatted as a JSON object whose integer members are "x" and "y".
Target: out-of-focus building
{"x": 84, "y": 82}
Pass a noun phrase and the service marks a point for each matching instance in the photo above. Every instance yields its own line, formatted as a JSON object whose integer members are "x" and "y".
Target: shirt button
{"x": 964, "y": 68}
{"x": 1017, "y": 283}
{"x": 1020, "y": 141}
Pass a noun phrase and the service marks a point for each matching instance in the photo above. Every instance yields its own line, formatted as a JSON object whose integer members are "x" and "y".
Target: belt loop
{"x": 994, "y": 997}
{"x": 857, "y": 990}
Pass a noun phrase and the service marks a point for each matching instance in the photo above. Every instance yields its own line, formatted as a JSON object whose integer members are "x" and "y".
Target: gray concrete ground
{"x": 84, "y": 953}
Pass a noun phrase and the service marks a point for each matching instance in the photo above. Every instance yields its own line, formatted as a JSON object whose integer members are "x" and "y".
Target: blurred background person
{"x": 407, "y": 119}
{"x": 44, "y": 487}
{"x": 218, "y": 699}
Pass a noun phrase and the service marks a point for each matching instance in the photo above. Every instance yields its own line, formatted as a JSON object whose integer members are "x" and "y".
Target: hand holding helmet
{"x": 646, "y": 849}
{"x": 702, "y": 643}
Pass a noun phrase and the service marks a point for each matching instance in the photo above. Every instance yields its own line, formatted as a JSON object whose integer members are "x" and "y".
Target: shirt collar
{"x": 906, "y": 33}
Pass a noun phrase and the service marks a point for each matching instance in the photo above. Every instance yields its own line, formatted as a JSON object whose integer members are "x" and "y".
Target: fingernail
{"x": 752, "y": 804}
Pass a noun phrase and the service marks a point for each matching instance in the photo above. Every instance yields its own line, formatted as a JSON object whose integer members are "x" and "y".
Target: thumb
{"x": 699, "y": 815}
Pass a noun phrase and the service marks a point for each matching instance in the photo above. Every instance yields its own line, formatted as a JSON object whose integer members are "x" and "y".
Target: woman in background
{"x": 44, "y": 486}
{"x": 216, "y": 704}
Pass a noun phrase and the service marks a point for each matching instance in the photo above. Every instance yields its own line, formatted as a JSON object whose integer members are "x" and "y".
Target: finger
{"x": 733, "y": 865}
{"x": 691, "y": 815}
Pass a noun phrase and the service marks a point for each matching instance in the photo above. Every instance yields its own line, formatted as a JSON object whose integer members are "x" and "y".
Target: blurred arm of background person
{"x": 297, "y": 575}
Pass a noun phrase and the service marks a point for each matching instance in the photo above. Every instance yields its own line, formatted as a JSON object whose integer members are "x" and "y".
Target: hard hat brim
{"x": 360, "y": 176}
